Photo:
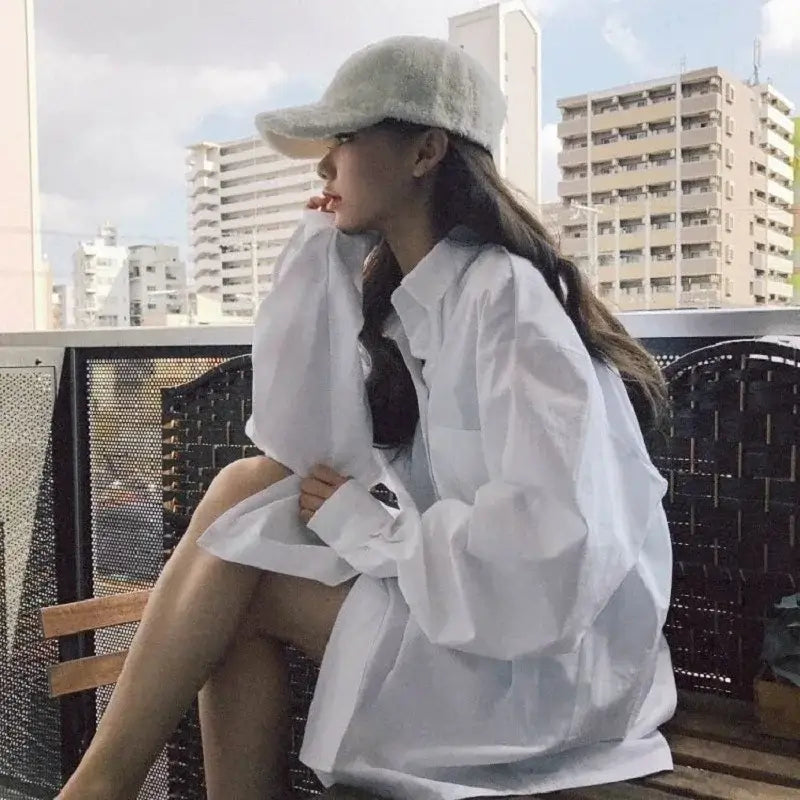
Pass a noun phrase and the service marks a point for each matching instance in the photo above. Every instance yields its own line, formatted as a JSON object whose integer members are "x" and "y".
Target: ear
{"x": 431, "y": 149}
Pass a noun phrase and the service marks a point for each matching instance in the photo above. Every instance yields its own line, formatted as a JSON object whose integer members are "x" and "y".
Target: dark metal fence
{"x": 82, "y": 508}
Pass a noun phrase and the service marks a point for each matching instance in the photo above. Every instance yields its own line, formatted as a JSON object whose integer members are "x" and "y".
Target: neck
{"x": 411, "y": 239}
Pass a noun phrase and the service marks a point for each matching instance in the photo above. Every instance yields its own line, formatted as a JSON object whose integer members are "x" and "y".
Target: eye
{"x": 344, "y": 138}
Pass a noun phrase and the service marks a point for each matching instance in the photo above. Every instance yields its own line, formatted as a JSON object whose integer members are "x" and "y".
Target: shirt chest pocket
{"x": 457, "y": 462}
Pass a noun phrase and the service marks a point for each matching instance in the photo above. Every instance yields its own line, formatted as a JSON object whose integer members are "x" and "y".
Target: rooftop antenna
{"x": 756, "y": 60}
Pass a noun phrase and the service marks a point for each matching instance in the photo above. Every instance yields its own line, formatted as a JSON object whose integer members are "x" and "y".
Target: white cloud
{"x": 550, "y": 148}
{"x": 110, "y": 127}
{"x": 621, "y": 38}
{"x": 780, "y": 24}
{"x": 124, "y": 87}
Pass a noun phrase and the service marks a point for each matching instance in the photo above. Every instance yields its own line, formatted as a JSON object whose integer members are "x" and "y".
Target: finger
{"x": 308, "y": 502}
{"x": 315, "y": 487}
{"x": 327, "y": 475}
{"x": 305, "y": 516}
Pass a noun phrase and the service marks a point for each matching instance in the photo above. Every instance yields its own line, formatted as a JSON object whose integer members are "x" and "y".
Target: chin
{"x": 346, "y": 225}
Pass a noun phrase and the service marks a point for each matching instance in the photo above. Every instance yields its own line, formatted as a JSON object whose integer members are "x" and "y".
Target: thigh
{"x": 297, "y": 611}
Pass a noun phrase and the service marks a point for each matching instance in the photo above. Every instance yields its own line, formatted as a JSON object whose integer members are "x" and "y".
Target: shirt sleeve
{"x": 527, "y": 567}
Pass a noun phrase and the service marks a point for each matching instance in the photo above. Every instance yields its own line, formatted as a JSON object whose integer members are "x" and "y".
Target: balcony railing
{"x": 81, "y": 503}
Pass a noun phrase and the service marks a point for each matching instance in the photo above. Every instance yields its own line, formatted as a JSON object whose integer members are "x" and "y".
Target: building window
{"x": 752, "y": 137}
{"x": 729, "y": 222}
{"x": 729, "y": 92}
{"x": 728, "y": 254}
{"x": 729, "y": 157}
{"x": 729, "y": 190}
{"x": 729, "y": 126}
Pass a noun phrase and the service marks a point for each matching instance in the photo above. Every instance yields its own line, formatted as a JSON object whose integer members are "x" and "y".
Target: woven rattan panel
{"x": 123, "y": 406}
{"x": 733, "y": 505}
{"x": 30, "y": 735}
{"x": 203, "y": 432}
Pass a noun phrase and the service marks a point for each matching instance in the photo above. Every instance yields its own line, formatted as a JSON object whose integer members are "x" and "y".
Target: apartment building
{"x": 157, "y": 281}
{"x": 677, "y": 192}
{"x": 506, "y": 39}
{"x": 244, "y": 202}
{"x": 100, "y": 278}
{"x": 797, "y": 210}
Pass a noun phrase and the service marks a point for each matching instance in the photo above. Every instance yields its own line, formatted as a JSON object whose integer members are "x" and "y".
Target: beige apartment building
{"x": 678, "y": 192}
{"x": 244, "y": 203}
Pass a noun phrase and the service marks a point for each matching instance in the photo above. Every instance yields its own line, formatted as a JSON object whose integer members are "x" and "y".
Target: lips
{"x": 333, "y": 200}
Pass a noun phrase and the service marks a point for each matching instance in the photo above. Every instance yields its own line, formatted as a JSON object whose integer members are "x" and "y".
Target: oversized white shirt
{"x": 505, "y": 634}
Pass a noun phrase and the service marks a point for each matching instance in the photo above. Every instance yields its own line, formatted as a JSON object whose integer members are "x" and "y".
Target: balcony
{"x": 204, "y": 216}
{"x": 94, "y": 453}
{"x": 198, "y": 167}
{"x": 202, "y": 183}
{"x": 779, "y": 143}
{"x": 770, "y": 114}
{"x": 205, "y": 233}
{"x": 782, "y": 193}
{"x": 771, "y": 289}
{"x": 779, "y": 167}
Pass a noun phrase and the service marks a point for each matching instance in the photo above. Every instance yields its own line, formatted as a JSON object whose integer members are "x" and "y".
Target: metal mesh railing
{"x": 116, "y": 472}
{"x": 203, "y": 432}
{"x": 123, "y": 409}
{"x": 30, "y": 729}
{"x": 731, "y": 458}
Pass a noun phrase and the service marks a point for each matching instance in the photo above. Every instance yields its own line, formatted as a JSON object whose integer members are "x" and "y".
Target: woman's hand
{"x": 319, "y": 203}
{"x": 317, "y": 488}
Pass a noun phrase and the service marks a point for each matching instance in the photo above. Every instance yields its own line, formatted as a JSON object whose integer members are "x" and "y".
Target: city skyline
{"x": 136, "y": 176}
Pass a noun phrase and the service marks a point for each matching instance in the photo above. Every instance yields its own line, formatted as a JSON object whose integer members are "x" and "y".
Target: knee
{"x": 251, "y": 474}
{"x": 238, "y": 481}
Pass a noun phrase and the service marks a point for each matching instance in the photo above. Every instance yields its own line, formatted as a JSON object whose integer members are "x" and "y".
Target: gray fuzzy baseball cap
{"x": 410, "y": 78}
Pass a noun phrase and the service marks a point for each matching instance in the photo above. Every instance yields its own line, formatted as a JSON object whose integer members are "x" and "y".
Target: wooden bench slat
{"x": 85, "y": 673}
{"x": 88, "y": 615}
{"x": 614, "y": 791}
{"x": 701, "y": 784}
{"x": 741, "y": 761}
{"x": 740, "y": 732}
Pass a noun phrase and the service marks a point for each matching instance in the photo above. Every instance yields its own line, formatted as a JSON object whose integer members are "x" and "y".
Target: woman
{"x": 503, "y": 635}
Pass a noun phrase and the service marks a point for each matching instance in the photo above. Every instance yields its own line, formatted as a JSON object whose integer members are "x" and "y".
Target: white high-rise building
{"x": 20, "y": 247}
{"x": 245, "y": 201}
{"x": 158, "y": 287}
{"x": 506, "y": 39}
{"x": 102, "y": 295}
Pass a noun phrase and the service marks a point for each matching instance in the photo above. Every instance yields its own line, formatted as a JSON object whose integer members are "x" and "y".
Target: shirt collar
{"x": 422, "y": 289}
{"x": 435, "y": 273}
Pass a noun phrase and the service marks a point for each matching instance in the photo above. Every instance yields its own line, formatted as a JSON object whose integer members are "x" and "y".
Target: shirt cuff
{"x": 349, "y": 518}
{"x": 314, "y": 220}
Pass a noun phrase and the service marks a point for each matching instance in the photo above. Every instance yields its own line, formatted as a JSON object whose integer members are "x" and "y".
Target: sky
{"x": 123, "y": 87}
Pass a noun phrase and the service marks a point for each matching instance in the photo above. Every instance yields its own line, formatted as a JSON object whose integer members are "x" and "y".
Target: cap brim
{"x": 307, "y": 131}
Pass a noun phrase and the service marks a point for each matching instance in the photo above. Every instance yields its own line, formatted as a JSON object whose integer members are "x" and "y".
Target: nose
{"x": 325, "y": 167}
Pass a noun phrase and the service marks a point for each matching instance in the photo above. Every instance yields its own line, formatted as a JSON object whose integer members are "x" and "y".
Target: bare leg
{"x": 244, "y": 704}
{"x": 191, "y": 618}
{"x": 244, "y": 716}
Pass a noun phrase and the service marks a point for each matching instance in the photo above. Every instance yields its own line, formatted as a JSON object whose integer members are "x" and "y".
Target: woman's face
{"x": 371, "y": 177}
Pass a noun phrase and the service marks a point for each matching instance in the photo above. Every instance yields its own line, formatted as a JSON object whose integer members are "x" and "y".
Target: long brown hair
{"x": 469, "y": 191}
